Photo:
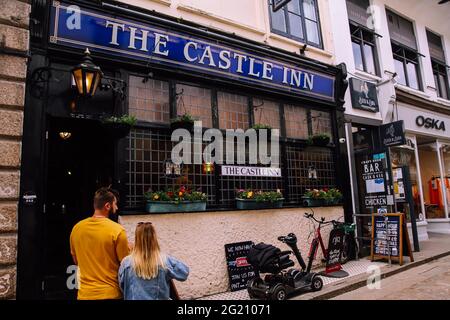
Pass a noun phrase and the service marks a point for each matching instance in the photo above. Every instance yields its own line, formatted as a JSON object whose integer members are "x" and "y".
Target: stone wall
{"x": 14, "y": 46}
{"x": 198, "y": 239}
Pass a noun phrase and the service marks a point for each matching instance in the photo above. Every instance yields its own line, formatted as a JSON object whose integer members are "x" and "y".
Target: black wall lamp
{"x": 87, "y": 78}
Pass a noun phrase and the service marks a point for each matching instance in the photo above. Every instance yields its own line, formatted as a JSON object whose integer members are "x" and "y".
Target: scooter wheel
{"x": 316, "y": 284}
{"x": 279, "y": 293}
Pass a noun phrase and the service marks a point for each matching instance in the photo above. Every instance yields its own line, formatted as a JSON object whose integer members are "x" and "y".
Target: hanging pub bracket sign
{"x": 278, "y": 4}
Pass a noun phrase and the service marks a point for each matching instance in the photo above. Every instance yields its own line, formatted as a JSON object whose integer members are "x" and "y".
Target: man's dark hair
{"x": 103, "y": 196}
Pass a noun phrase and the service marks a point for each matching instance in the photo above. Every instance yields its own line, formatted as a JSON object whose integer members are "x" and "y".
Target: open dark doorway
{"x": 80, "y": 159}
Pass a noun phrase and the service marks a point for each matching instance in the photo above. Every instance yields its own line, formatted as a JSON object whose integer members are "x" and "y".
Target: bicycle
{"x": 338, "y": 247}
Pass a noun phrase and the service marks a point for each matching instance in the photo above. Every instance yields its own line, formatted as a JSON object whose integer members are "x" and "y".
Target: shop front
{"x": 164, "y": 74}
{"x": 427, "y": 155}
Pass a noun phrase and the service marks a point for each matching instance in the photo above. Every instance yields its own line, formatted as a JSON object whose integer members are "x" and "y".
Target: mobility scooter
{"x": 279, "y": 283}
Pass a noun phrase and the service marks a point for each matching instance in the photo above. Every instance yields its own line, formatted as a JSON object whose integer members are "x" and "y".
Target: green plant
{"x": 259, "y": 126}
{"x": 334, "y": 194}
{"x": 319, "y": 137}
{"x": 259, "y": 196}
{"x": 187, "y": 117}
{"x": 315, "y": 194}
{"x": 175, "y": 195}
{"x": 126, "y": 119}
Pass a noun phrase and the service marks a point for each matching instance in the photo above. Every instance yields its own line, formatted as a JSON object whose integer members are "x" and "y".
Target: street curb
{"x": 362, "y": 283}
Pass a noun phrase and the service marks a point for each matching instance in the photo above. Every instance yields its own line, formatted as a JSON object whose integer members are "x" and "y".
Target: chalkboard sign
{"x": 390, "y": 239}
{"x": 334, "y": 252}
{"x": 239, "y": 270}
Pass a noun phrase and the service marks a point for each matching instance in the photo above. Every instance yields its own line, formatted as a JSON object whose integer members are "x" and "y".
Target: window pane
{"x": 357, "y": 56}
{"x": 444, "y": 85}
{"x": 412, "y": 75}
{"x": 233, "y": 111}
{"x": 278, "y": 20}
{"x": 149, "y": 99}
{"x": 296, "y": 122}
{"x": 370, "y": 58}
{"x": 321, "y": 122}
{"x": 295, "y": 25}
{"x": 309, "y": 9}
{"x": 400, "y": 72}
{"x": 312, "y": 31}
{"x": 436, "y": 83}
{"x": 196, "y": 101}
{"x": 294, "y": 6}
{"x": 266, "y": 112}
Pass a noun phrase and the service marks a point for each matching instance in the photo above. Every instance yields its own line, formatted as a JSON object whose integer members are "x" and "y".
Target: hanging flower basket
{"x": 189, "y": 126}
{"x": 319, "y": 140}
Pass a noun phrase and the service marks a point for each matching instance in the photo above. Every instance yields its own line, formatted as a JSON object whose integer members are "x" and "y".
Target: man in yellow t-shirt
{"x": 98, "y": 245}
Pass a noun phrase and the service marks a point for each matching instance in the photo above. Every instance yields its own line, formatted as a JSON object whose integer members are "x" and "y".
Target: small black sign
{"x": 392, "y": 134}
{"x": 29, "y": 198}
{"x": 364, "y": 95}
{"x": 335, "y": 248}
{"x": 374, "y": 184}
{"x": 278, "y": 4}
{"x": 239, "y": 270}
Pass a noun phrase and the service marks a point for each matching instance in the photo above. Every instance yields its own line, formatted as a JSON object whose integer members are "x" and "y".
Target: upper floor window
{"x": 364, "y": 50}
{"x": 299, "y": 20}
{"x": 404, "y": 50}
{"x": 438, "y": 64}
{"x": 407, "y": 66}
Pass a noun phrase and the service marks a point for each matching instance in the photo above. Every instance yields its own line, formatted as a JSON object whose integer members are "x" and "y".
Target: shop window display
{"x": 431, "y": 181}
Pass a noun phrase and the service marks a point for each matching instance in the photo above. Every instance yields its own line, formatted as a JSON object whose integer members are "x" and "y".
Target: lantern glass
{"x": 88, "y": 80}
{"x": 78, "y": 76}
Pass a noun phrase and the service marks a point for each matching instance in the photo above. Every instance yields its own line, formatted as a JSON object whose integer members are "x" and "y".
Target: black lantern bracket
{"x": 116, "y": 85}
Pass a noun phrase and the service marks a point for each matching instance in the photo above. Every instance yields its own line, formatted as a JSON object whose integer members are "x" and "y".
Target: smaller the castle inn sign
{"x": 251, "y": 171}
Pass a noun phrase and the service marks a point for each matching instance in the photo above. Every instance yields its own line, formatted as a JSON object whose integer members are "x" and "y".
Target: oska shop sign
{"x": 430, "y": 123}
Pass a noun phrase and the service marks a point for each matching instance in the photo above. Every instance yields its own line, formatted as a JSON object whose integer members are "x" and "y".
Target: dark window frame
{"x": 399, "y": 53}
{"x": 361, "y": 41}
{"x": 439, "y": 68}
{"x": 288, "y": 34}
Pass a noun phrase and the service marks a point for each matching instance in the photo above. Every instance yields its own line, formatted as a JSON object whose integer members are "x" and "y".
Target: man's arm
{"x": 122, "y": 246}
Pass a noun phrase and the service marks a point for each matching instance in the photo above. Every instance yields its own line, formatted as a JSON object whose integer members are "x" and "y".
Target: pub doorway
{"x": 80, "y": 159}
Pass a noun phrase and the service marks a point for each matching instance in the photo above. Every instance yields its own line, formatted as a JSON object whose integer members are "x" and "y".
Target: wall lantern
{"x": 208, "y": 167}
{"x": 65, "y": 135}
{"x": 87, "y": 76}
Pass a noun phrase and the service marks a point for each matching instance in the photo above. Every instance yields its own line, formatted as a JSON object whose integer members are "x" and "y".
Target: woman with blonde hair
{"x": 146, "y": 273}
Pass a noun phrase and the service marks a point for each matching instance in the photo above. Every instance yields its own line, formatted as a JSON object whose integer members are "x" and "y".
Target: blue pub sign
{"x": 76, "y": 27}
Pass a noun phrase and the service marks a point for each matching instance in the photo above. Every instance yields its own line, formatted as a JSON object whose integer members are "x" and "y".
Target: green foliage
{"x": 318, "y": 137}
{"x": 175, "y": 195}
{"x": 258, "y": 126}
{"x": 328, "y": 194}
{"x": 127, "y": 119}
{"x": 187, "y": 117}
{"x": 259, "y": 196}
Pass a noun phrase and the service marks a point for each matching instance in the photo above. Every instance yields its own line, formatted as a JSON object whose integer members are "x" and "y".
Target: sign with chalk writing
{"x": 239, "y": 270}
{"x": 390, "y": 238}
{"x": 334, "y": 252}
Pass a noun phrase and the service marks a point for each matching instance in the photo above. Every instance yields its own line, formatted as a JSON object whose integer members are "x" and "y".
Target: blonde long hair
{"x": 146, "y": 254}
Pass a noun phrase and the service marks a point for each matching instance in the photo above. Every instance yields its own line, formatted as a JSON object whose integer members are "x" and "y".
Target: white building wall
{"x": 424, "y": 14}
{"x": 246, "y": 18}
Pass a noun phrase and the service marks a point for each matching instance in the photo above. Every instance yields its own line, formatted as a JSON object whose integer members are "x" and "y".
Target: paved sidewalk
{"x": 436, "y": 247}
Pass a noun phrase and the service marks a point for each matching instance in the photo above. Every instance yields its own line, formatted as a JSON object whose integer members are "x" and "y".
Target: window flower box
{"x": 249, "y": 199}
{"x": 182, "y": 199}
{"x": 173, "y": 206}
{"x": 118, "y": 127}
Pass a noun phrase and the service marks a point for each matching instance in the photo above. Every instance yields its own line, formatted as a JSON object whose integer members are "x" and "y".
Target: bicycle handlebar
{"x": 322, "y": 219}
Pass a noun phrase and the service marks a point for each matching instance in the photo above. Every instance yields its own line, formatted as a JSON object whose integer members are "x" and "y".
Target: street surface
{"x": 430, "y": 281}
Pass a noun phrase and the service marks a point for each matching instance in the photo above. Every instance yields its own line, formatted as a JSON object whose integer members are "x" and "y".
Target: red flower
{"x": 170, "y": 194}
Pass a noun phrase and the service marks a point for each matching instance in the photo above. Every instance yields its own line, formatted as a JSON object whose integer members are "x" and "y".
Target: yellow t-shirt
{"x": 99, "y": 246}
